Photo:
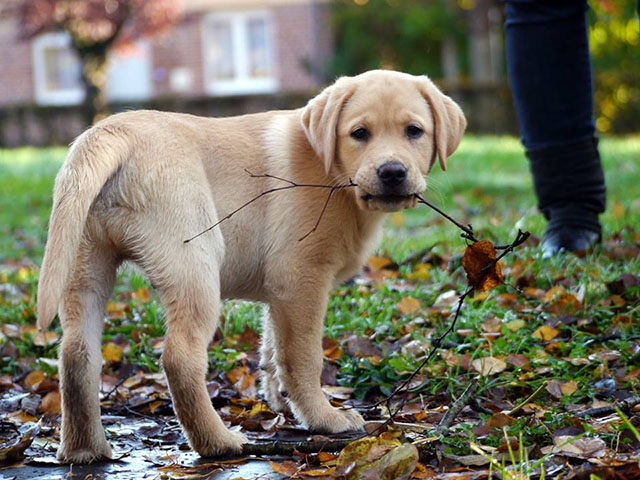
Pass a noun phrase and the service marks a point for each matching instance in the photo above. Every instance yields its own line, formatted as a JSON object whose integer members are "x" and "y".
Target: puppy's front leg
{"x": 297, "y": 330}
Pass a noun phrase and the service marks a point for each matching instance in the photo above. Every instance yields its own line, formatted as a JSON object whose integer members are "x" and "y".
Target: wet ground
{"x": 143, "y": 449}
{"x": 139, "y": 465}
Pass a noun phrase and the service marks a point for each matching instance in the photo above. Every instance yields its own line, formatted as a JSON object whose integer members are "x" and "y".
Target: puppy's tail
{"x": 92, "y": 159}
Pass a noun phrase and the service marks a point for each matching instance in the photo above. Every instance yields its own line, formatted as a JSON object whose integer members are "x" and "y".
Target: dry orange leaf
{"x": 422, "y": 271}
{"x": 33, "y": 378}
{"x": 21, "y": 417}
{"x": 477, "y": 257}
{"x": 569, "y": 387}
{"x": 116, "y": 310}
{"x": 408, "y": 305}
{"x": 488, "y": 365}
{"x": 325, "y": 473}
{"x": 378, "y": 263}
{"x": 546, "y": 333}
{"x": 559, "y": 389}
{"x": 492, "y": 325}
{"x": 39, "y": 338}
{"x": 141, "y": 294}
{"x": 515, "y": 325}
{"x": 286, "y": 468}
{"x": 50, "y": 403}
{"x": 112, "y": 353}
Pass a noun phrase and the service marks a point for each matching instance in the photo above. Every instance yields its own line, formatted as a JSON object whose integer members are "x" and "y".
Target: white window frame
{"x": 242, "y": 83}
{"x": 44, "y": 96}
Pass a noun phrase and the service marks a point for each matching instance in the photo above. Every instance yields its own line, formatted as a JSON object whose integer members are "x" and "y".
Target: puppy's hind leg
{"x": 187, "y": 278}
{"x": 82, "y": 313}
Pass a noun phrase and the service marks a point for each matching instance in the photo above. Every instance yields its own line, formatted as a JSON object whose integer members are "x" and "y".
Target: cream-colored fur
{"x": 137, "y": 184}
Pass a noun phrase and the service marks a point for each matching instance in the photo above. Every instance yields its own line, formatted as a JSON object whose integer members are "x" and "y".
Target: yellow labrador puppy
{"x": 137, "y": 184}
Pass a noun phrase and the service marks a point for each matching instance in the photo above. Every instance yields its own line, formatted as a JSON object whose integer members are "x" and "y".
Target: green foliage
{"x": 614, "y": 36}
{"x": 403, "y": 35}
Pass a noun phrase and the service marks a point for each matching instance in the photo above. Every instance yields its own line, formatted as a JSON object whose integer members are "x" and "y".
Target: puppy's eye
{"x": 413, "y": 131}
{"x": 361, "y": 134}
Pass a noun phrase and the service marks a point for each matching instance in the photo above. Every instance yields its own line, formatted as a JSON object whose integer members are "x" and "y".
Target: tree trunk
{"x": 94, "y": 78}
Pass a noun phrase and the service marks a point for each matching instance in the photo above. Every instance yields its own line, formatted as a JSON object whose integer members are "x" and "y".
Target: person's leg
{"x": 549, "y": 69}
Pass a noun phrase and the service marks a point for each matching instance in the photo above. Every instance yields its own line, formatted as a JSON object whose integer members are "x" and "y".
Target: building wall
{"x": 295, "y": 39}
{"x": 177, "y": 60}
{"x": 16, "y": 78}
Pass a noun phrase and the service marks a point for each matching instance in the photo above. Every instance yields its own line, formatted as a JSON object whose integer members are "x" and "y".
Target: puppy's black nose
{"x": 392, "y": 174}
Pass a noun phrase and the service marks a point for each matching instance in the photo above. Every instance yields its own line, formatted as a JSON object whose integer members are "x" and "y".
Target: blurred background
{"x": 66, "y": 63}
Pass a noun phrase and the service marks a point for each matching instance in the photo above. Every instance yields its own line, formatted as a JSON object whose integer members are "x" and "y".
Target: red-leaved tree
{"x": 95, "y": 26}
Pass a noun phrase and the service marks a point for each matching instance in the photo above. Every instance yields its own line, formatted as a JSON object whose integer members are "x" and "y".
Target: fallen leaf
{"x": 546, "y": 333}
{"x": 325, "y": 473}
{"x": 116, "y": 310}
{"x": 246, "y": 385}
{"x": 580, "y": 447}
{"x": 141, "y": 294}
{"x": 50, "y": 403}
{"x": 483, "y": 273}
{"x": 20, "y": 417}
{"x": 567, "y": 388}
{"x": 40, "y": 339}
{"x": 422, "y": 271}
{"x": 378, "y": 263}
{"x": 357, "y": 346}
{"x": 496, "y": 421}
{"x": 488, "y": 365}
{"x": 287, "y": 468}
{"x": 518, "y": 360}
{"x": 408, "y": 305}
{"x": 446, "y": 299}
{"x": 492, "y": 325}
{"x": 34, "y": 378}
{"x": 559, "y": 389}
{"x": 383, "y": 457}
{"x": 15, "y": 451}
{"x": 112, "y": 353}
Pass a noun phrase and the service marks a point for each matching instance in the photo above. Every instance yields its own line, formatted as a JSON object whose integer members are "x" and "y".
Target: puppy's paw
{"x": 334, "y": 420}
{"x": 270, "y": 390}
{"x": 229, "y": 443}
{"x": 96, "y": 453}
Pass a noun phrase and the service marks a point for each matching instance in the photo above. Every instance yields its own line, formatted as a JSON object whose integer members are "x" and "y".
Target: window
{"x": 57, "y": 70}
{"x": 238, "y": 53}
{"x": 129, "y": 77}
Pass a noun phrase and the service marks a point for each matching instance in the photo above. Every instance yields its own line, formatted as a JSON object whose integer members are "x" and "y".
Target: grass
{"x": 487, "y": 184}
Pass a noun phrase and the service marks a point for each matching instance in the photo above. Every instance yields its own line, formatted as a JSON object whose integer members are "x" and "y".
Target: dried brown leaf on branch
{"x": 483, "y": 271}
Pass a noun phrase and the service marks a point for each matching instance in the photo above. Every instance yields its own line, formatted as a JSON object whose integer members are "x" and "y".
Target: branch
{"x": 467, "y": 230}
{"x": 624, "y": 405}
{"x": 280, "y": 447}
{"x": 458, "y": 406}
{"x": 292, "y": 184}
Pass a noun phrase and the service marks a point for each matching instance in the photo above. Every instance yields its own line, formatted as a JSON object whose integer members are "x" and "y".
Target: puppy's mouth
{"x": 386, "y": 198}
{"x": 387, "y": 203}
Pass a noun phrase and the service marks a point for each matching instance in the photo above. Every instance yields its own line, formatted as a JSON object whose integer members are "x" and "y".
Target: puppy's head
{"x": 383, "y": 130}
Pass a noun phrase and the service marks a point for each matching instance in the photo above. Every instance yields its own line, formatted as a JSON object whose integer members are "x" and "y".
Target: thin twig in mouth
{"x": 292, "y": 184}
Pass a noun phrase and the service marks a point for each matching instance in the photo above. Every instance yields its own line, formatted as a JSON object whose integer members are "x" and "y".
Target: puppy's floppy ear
{"x": 320, "y": 118}
{"x": 449, "y": 121}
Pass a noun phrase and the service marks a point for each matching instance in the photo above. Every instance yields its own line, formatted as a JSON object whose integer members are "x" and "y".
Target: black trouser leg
{"x": 549, "y": 70}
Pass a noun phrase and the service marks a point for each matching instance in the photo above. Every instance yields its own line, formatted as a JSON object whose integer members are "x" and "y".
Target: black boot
{"x": 569, "y": 184}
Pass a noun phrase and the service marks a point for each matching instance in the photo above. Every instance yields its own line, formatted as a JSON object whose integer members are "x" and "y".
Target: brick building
{"x": 223, "y": 57}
